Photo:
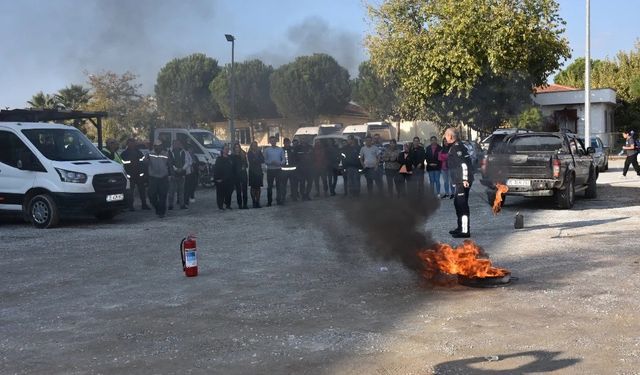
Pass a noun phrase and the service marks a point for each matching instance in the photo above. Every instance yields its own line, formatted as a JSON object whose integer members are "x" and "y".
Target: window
{"x": 14, "y": 152}
{"x": 531, "y": 143}
{"x": 63, "y": 144}
{"x": 243, "y": 135}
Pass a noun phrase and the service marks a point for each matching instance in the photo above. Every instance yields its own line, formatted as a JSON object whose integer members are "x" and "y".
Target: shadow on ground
{"x": 537, "y": 361}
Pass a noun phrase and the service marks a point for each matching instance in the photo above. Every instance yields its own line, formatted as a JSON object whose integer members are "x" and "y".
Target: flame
{"x": 468, "y": 260}
{"x": 500, "y": 189}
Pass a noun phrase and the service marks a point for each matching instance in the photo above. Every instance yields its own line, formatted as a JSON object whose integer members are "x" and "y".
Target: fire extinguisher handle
{"x": 182, "y": 253}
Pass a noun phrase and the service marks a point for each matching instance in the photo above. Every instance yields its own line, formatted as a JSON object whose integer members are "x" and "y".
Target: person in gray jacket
{"x": 159, "y": 171}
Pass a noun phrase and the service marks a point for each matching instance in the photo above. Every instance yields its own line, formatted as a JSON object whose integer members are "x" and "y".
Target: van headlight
{"x": 69, "y": 176}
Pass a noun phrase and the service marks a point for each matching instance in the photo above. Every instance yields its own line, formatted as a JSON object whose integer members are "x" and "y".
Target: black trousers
{"x": 288, "y": 177}
{"x": 392, "y": 178}
{"x": 158, "y": 189}
{"x": 461, "y": 203}
{"x": 273, "y": 180}
{"x": 321, "y": 175}
{"x": 137, "y": 183}
{"x": 332, "y": 179}
{"x": 305, "y": 182}
{"x": 631, "y": 160}
{"x": 240, "y": 185}
{"x": 190, "y": 184}
{"x": 224, "y": 189}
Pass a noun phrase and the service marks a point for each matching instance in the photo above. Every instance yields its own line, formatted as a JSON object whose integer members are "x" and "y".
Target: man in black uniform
{"x": 288, "y": 174}
{"x": 134, "y": 164}
{"x": 459, "y": 163}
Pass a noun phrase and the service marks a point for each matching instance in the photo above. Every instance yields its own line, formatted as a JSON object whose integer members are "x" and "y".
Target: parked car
{"x": 475, "y": 152}
{"x": 601, "y": 154}
{"x": 49, "y": 171}
{"x": 542, "y": 164}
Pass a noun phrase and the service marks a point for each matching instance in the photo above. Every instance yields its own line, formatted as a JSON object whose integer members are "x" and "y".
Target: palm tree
{"x": 43, "y": 101}
{"x": 73, "y": 97}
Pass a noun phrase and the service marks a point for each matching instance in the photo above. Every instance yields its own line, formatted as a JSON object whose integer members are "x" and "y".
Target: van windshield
{"x": 208, "y": 140}
{"x": 63, "y": 144}
{"x": 308, "y": 138}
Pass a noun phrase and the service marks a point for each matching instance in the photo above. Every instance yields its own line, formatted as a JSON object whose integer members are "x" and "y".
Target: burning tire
{"x": 566, "y": 197}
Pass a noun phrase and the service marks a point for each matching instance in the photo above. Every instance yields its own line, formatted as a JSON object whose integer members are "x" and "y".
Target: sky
{"x": 46, "y": 45}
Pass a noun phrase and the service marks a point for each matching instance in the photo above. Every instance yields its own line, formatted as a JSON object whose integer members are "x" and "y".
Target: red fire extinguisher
{"x": 188, "y": 256}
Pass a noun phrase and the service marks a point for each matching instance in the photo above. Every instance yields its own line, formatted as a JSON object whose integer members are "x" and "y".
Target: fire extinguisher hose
{"x": 184, "y": 265}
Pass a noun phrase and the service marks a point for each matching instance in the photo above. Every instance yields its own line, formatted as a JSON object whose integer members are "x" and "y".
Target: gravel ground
{"x": 276, "y": 294}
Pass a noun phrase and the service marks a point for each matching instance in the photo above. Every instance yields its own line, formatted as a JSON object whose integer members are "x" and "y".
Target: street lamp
{"x": 587, "y": 80}
{"x": 232, "y": 128}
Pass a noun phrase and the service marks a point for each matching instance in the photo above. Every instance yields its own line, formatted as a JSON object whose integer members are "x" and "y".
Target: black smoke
{"x": 315, "y": 35}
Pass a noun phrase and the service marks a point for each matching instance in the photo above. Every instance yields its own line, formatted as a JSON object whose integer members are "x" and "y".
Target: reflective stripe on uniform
{"x": 126, "y": 162}
{"x": 158, "y": 156}
{"x": 465, "y": 172}
{"x": 288, "y": 168}
{"x": 465, "y": 224}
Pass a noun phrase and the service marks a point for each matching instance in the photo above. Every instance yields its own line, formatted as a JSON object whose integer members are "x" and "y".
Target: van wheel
{"x": 591, "y": 192}
{"x": 566, "y": 197}
{"x": 43, "y": 212}
{"x": 106, "y": 215}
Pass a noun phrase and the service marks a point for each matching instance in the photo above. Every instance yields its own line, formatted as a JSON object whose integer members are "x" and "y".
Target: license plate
{"x": 115, "y": 197}
{"x": 518, "y": 183}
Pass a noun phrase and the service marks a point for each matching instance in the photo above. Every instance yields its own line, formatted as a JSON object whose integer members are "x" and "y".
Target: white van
{"x": 306, "y": 133}
{"x": 359, "y": 131}
{"x": 50, "y": 170}
{"x": 207, "y": 148}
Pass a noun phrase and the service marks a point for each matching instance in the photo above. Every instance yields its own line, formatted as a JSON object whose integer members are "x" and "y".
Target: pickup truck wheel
{"x": 566, "y": 196}
{"x": 43, "y": 212}
{"x": 591, "y": 191}
{"x": 106, "y": 215}
{"x": 606, "y": 166}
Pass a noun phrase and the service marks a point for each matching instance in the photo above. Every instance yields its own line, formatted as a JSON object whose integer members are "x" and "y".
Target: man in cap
{"x": 111, "y": 151}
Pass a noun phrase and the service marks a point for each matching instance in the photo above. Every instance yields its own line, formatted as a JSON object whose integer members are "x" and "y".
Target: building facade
{"x": 564, "y": 107}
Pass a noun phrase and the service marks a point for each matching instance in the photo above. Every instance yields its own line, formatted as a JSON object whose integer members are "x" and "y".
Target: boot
{"x": 464, "y": 228}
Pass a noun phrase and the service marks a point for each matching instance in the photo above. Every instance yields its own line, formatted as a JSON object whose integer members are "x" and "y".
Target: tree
{"x": 373, "y": 94}
{"x": 442, "y": 51}
{"x": 130, "y": 113}
{"x": 43, "y": 101}
{"x": 182, "y": 90}
{"x": 73, "y": 97}
{"x": 310, "y": 86}
{"x": 252, "y": 95}
{"x": 621, "y": 74}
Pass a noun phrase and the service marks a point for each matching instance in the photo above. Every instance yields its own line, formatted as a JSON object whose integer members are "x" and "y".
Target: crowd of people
{"x": 298, "y": 168}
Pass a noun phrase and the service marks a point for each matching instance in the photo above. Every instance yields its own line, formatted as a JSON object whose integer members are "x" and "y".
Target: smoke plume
{"x": 394, "y": 229}
{"x": 315, "y": 35}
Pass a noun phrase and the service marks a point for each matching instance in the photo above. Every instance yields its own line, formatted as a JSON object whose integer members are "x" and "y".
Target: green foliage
{"x": 252, "y": 94}
{"x": 530, "y": 118}
{"x": 310, "y": 86}
{"x": 371, "y": 92}
{"x": 573, "y": 75}
{"x": 73, "y": 97}
{"x": 43, "y": 101}
{"x": 446, "y": 49}
{"x": 130, "y": 113}
{"x": 182, "y": 90}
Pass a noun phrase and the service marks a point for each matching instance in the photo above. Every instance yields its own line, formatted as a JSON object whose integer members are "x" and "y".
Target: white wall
{"x": 598, "y": 120}
{"x": 422, "y": 129}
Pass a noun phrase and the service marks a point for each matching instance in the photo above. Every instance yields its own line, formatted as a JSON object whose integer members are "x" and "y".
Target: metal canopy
{"x": 45, "y": 115}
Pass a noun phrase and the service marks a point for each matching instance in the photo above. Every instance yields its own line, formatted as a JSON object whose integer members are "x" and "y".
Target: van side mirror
{"x": 591, "y": 150}
{"x": 24, "y": 161}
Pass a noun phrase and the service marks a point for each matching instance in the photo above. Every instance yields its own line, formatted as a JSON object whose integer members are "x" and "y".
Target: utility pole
{"x": 587, "y": 81}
